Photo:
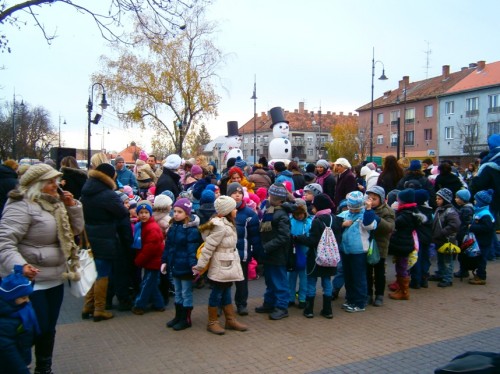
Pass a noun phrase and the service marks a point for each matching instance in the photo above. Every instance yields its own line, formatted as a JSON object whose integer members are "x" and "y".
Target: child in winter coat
{"x": 385, "y": 226}
{"x": 301, "y": 225}
{"x": 402, "y": 242}
{"x": 483, "y": 228}
{"x": 444, "y": 228}
{"x": 221, "y": 255}
{"x": 465, "y": 212}
{"x": 149, "y": 237}
{"x": 18, "y": 323}
{"x": 276, "y": 241}
{"x": 183, "y": 240}
{"x": 311, "y": 190}
{"x": 206, "y": 209}
{"x": 323, "y": 218}
{"x": 357, "y": 224}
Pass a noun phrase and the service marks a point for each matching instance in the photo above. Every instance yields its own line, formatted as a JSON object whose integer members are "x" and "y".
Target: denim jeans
{"x": 183, "y": 292}
{"x": 220, "y": 296}
{"x": 47, "y": 304}
{"x": 445, "y": 267}
{"x": 104, "y": 267}
{"x": 326, "y": 283}
{"x": 292, "y": 284}
{"x": 422, "y": 266}
{"x": 338, "y": 279}
{"x": 355, "y": 278}
{"x": 375, "y": 277}
{"x": 241, "y": 294}
{"x": 150, "y": 292}
{"x": 277, "y": 293}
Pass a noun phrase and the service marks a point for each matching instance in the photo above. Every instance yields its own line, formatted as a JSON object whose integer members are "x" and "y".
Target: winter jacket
{"x": 73, "y": 180}
{"x": 298, "y": 228}
{"x": 149, "y": 256}
{"x": 247, "y": 229}
{"x": 466, "y": 214}
{"x": 28, "y": 235}
{"x": 285, "y": 176}
{"x": 220, "y": 250}
{"x": 483, "y": 227}
{"x": 163, "y": 220}
{"x": 260, "y": 179}
{"x": 355, "y": 237}
{"x": 488, "y": 176}
{"x": 205, "y": 212}
{"x": 346, "y": 183}
{"x": 319, "y": 225}
{"x": 450, "y": 181}
{"x": 8, "y": 182}
{"x": 102, "y": 209}
{"x": 169, "y": 180}
{"x": 298, "y": 180}
{"x": 181, "y": 244}
{"x": 371, "y": 179}
{"x": 15, "y": 341}
{"x": 424, "y": 230}
{"x": 424, "y": 184}
{"x": 127, "y": 178}
{"x": 446, "y": 225}
{"x": 200, "y": 186}
{"x": 145, "y": 175}
{"x": 408, "y": 218}
{"x": 277, "y": 241}
{"x": 385, "y": 226}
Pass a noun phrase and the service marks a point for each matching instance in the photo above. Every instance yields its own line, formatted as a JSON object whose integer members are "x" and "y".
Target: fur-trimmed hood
{"x": 72, "y": 171}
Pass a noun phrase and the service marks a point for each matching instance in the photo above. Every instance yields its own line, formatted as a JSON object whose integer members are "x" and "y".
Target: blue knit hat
{"x": 494, "y": 141}
{"x": 207, "y": 196}
{"x": 355, "y": 200}
{"x": 421, "y": 196}
{"x": 483, "y": 198}
{"x": 240, "y": 163}
{"x": 278, "y": 190}
{"x": 169, "y": 194}
{"x": 407, "y": 196}
{"x": 144, "y": 204}
{"x": 415, "y": 165}
{"x": 15, "y": 285}
{"x": 463, "y": 195}
{"x": 445, "y": 194}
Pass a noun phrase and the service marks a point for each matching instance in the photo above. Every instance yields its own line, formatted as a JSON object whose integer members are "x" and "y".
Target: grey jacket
{"x": 28, "y": 236}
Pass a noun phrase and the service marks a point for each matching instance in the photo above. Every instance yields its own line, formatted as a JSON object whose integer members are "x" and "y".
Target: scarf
{"x": 324, "y": 211}
{"x": 406, "y": 206}
{"x": 137, "y": 236}
{"x": 267, "y": 218}
{"x": 480, "y": 212}
{"x": 28, "y": 318}
{"x": 321, "y": 178}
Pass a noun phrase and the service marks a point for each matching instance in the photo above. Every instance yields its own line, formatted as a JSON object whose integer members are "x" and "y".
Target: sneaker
{"x": 264, "y": 309}
{"x": 346, "y": 305}
{"x": 137, "y": 311}
{"x": 477, "y": 281}
{"x": 445, "y": 284}
{"x": 278, "y": 313}
{"x": 354, "y": 309}
{"x": 302, "y": 305}
{"x": 379, "y": 300}
{"x": 242, "y": 310}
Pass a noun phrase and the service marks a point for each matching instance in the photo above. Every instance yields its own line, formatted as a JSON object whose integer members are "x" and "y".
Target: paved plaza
{"x": 414, "y": 336}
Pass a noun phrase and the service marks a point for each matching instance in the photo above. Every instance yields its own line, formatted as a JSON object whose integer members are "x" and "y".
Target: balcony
{"x": 471, "y": 113}
{"x": 475, "y": 148}
{"x": 394, "y": 144}
{"x": 393, "y": 123}
{"x": 409, "y": 121}
{"x": 495, "y": 109}
{"x": 298, "y": 141}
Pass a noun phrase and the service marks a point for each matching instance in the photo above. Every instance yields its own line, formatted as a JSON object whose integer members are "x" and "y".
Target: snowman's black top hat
{"x": 232, "y": 129}
{"x": 277, "y": 115}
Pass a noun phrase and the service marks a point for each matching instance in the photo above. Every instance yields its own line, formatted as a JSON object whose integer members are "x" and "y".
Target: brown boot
{"x": 100, "y": 290}
{"x": 231, "y": 323}
{"x": 403, "y": 292}
{"x": 477, "y": 281}
{"x": 213, "y": 322}
{"x": 88, "y": 306}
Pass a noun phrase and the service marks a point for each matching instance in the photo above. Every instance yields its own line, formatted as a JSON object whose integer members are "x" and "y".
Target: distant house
{"x": 131, "y": 153}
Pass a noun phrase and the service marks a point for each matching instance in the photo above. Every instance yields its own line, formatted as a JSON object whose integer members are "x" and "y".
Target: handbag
{"x": 373, "y": 254}
{"x": 449, "y": 248}
{"x": 86, "y": 269}
{"x": 469, "y": 245}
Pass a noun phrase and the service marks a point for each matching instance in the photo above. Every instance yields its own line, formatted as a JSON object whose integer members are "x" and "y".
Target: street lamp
{"x": 64, "y": 123}
{"x": 179, "y": 125}
{"x": 104, "y": 104}
{"x": 14, "y": 124}
{"x": 313, "y": 123}
{"x": 398, "y": 129}
{"x": 383, "y": 78}
{"x": 254, "y": 98}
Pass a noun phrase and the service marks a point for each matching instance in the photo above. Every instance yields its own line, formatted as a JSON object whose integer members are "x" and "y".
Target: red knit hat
{"x": 233, "y": 170}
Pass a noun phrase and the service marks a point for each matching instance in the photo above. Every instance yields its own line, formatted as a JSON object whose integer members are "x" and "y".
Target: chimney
{"x": 405, "y": 82}
{"x": 480, "y": 65}
{"x": 341, "y": 113}
{"x": 328, "y": 113}
{"x": 472, "y": 65}
{"x": 464, "y": 68}
{"x": 301, "y": 107}
{"x": 446, "y": 72}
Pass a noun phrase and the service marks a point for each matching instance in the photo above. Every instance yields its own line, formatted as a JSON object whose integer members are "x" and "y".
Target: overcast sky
{"x": 318, "y": 51}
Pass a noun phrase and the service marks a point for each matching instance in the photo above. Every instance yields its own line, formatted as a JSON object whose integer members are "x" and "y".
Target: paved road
{"x": 413, "y": 336}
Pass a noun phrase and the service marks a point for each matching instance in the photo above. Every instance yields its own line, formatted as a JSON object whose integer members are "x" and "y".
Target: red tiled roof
{"x": 488, "y": 76}
{"x": 130, "y": 154}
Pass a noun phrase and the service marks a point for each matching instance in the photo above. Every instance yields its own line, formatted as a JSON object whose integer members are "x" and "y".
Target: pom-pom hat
{"x": 224, "y": 205}
{"x": 162, "y": 202}
{"x": 483, "y": 198}
{"x": 445, "y": 194}
{"x": 355, "y": 200}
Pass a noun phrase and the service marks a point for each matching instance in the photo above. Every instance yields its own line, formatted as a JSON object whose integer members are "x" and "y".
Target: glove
{"x": 163, "y": 268}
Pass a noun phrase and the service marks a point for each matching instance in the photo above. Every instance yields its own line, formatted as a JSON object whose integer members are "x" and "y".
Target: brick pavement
{"x": 413, "y": 336}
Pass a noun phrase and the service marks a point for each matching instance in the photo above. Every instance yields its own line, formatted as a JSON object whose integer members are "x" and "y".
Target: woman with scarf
{"x": 325, "y": 178}
{"x": 36, "y": 232}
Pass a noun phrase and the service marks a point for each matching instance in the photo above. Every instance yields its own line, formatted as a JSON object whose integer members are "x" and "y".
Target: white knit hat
{"x": 37, "y": 173}
{"x": 172, "y": 162}
{"x": 224, "y": 205}
{"x": 162, "y": 202}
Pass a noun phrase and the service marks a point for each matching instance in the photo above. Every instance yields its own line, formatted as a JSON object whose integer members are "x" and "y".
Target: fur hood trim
{"x": 96, "y": 174}
{"x": 73, "y": 170}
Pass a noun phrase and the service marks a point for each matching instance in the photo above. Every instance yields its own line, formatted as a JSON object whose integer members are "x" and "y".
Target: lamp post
{"x": 254, "y": 98}
{"x": 383, "y": 78}
{"x": 64, "y": 123}
{"x": 314, "y": 124}
{"x": 104, "y": 104}
{"x": 14, "y": 125}
{"x": 179, "y": 125}
{"x": 399, "y": 131}
{"x": 404, "y": 116}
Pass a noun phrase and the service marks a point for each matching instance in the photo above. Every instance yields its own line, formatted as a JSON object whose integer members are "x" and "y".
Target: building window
{"x": 448, "y": 133}
{"x": 266, "y": 138}
{"x": 493, "y": 128}
{"x": 309, "y": 138}
{"x": 380, "y": 118}
{"x": 428, "y": 111}
{"x": 394, "y": 140}
{"x": 494, "y": 103}
{"x": 428, "y": 134}
{"x": 410, "y": 115}
{"x": 310, "y": 152}
{"x": 394, "y": 117}
{"x": 472, "y": 106}
{"x": 449, "y": 107}
{"x": 410, "y": 137}
{"x": 380, "y": 139}
{"x": 245, "y": 141}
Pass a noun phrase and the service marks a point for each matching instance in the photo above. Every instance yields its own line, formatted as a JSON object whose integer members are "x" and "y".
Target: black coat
{"x": 402, "y": 243}
{"x": 317, "y": 227}
{"x": 346, "y": 183}
{"x": 276, "y": 243}
{"x": 298, "y": 180}
{"x": 449, "y": 181}
{"x": 169, "y": 180}
{"x": 74, "y": 179}
{"x": 488, "y": 177}
{"x": 103, "y": 211}
{"x": 424, "y": 184}
{"x": 8, "y": 182}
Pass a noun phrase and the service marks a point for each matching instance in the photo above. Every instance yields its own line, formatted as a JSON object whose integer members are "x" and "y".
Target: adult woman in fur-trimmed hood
{"x": 36, "y": 232}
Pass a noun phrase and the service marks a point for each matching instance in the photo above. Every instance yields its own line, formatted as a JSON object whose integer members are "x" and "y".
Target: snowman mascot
{"x": 280, "y": 148}
{"x": 233, "y": 142}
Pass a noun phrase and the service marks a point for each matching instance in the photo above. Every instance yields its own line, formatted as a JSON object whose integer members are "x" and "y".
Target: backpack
{"x": 327, "y": 254}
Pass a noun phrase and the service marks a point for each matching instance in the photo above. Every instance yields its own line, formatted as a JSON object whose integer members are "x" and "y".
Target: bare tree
{"x": 154, "y": 17}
